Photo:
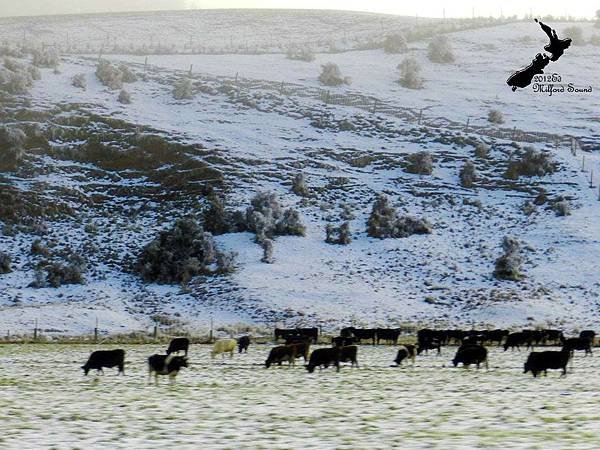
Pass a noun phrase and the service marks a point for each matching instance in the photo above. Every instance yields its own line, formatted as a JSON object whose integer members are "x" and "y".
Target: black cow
{"x": 341, "y": 341}
{"x": 425, "y": 346}
{"x": 471, "y": 354}
{"x": 165, "y": 365}
{"x": 427, "y": 335}
{"x": 284, "y": 333}
{"x": 573, "y": 344}
{"x": 553, "y": 336}
{"x": 360, "y": 333}
{"x": 282, "y": 353}
{"x": 179, "y": 344}
{"x": 389, "y": 335}
{"x": 243, "y": 344}
{"x": 348, "y": 354}
{"x": 302, "y": 349}
{"x": 105, "y": 358}
{"x": 405, "y": 351}
{"x": 517, "y": 340}
{"x": 324, "y": 357}
{"x": 496, "y": 336}
{"x": 542, "y": 361}
{"x": 588, "y": 334}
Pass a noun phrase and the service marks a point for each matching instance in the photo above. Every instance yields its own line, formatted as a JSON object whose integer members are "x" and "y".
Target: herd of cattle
{"x": 471, "y": 349}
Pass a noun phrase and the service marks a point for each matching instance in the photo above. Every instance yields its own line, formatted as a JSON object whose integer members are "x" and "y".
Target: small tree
{"x": 440, "y": 50}
{"x": 331, "y": 75}
{"x": 299, "y": 186}
{"x": 468, "y": 175}
{"x": 5, "y": 263}
{"x": 109, "y": 75}
{"x": 215, "y": 216}
{"x": 183, "y": 89}
{"x": 410, "y": 74}
{"x": 338, "y": 235}
{"x": 395, "y": 43}
{"x": 481, "y": 150}
{"x": 300, "y": 54}
{"x": 508, "y": 266}
{"x": 531, "y": 163}
{"x": 127, "y": 75}
{"x": 420, "y": 163}
{"x": 47, "y": 57}
{"x": 384, "y": 222}
{"x": 495, "y": 116}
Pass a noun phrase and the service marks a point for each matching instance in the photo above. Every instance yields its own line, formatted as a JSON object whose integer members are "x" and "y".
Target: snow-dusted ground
{"x": 369, "y": 282}
{"x": 46, "y": 402}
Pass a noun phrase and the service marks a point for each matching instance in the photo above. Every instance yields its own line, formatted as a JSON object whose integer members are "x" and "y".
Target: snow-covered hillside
{"x": 241, "y": 141}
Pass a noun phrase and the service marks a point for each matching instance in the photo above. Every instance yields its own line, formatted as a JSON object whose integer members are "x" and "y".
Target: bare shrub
{"x": 266, "y": 218}
{"x": 468, "y": 175}
{"x": 124, "y": 97}
{"x": 216, "y": 219}
{"x": 384, "y": 222}
{"x": 531, "y": 163}
{"x": 299, "y": 186}
{"x": 11, "y": 147}
{"x": 508, "y": 266}
{"x": 58, "y": 274}
{"x": 46, "y": 57}
{"x": 495, "y": 116}
{"x": 410, "y": 74}
{"x": 420, "y": 163}
{"x": 297, "y": 53}
{"x": 395, "y": 43}
{"x": 481, "y": 150}
{"x": 338, "y": 235}
{"x": 5, "y": 263}
{"x": 331, "y": 75}
{"x": 267, "y": 246}
{"x": 562, "y": 208}
{"x": 440, "y": 50}
{"x": 183, "y": 89}
{"x": 127, "y": 75}
{"x": 16, "y": 78}
{"x": 109, "y": 75}
{"x": 79, "y": 81}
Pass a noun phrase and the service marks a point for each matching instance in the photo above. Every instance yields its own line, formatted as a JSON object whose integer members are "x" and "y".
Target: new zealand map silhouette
{"x": 523, "y": 77}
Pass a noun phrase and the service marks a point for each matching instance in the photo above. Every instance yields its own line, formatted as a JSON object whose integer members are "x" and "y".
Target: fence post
{"x": 210, "y": 333}
{"x": 145, "y": 63}
{"x": 592, "y": 179}
{"x": 467, "y": 127}
{"x": 327, "y": 97}
{"x": 374, "y": 106}
{"x": 236, "y": 78}
{"x": 35, "y": 330}
{"x": 281, "y": 88}
{"x": 155, "y": 332}
{"x": 420, "y": 116}
{"x": 96, "y": 332}
{"x": 191, "y": 68}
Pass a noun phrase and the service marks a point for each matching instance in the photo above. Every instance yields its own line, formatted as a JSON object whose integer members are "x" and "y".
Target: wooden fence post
{"x": 210, "y": 333}
{"x": 374, "y": 106}
{"x": 96, "y": 331}
{"x": 155, "y": 332}
{"x": 420, "y": 116}
{"x": 35, "y": 330}
{"x": 592, "y": 179}
{"x": 467, "y": 127}
{"x": 145, "y": 63}
{"x": 191, "y": 69}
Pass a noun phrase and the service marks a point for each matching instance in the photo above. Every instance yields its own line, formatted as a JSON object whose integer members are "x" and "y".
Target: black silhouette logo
{"x": 523, "y": 77}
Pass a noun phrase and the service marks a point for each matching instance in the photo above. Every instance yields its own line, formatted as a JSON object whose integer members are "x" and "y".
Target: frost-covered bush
{"x": 215, "y": 218}
{"x": 531, "y": 163}
{"x": 299, "y": 186}
{"x": 79, "y": 81}
{"x": 562, "y": 208}
{"x": 576, "y": 35}
{"x": 495, "y": 116}
{"x": 46, "y": 57}
{"x": 331, "y": 75}
{"x": 267, "y": 246}
{"x": 508, "y": 266}
{"x": 410, "y": 74}
{"x": 183, "y": 89}
{"x": 124, "y": 97}
{"x": 528, "y": 208}
{"x": 180, "y": 253}
{"x": 440, "y": 50}
{"x": 5, "y": 263}
{"x": 37, "y": 248}
{"x": 11, "y": 147}
{"x": 481, "y": 150}
{"x": 420, "y": 163}
{"x": 58, "y": 274}
{"x": 468, "y": 175}
{"x": 395, "y": 43}
{"x": 16, "y": 78}
{"x": 127, "y": 74}
{"x": 109, "y": 75}
{"x": 338, "y": 235}
{"x": 300, "y": 54}
{"x": 267, "y": 219}
{"x": 384, "y": 222}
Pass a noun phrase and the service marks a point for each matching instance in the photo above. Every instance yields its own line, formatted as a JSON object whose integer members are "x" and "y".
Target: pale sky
{"x": 429, "y": 8}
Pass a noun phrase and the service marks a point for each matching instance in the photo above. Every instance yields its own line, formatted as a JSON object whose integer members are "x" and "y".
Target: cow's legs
{"x": 121, "y": 369}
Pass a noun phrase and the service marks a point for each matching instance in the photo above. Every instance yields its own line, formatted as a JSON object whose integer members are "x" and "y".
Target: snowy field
{"x": 46, "y": 402}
